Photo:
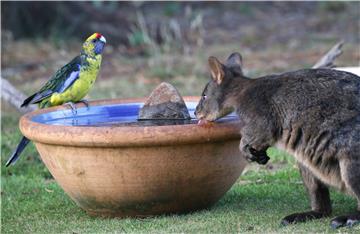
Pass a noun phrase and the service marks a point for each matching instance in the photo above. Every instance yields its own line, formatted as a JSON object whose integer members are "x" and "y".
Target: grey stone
{"x": 165, "y": 102}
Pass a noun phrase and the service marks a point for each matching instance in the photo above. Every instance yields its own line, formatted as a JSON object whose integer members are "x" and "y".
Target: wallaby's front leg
{"x": 319, "y": 197}
{"x": 254, "y": 143}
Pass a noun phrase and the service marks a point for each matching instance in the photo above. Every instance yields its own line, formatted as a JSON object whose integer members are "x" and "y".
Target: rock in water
{"x": 164, "y": 102}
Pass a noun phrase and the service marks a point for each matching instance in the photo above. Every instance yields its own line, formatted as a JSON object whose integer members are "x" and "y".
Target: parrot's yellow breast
{"x": 80, "y": 88}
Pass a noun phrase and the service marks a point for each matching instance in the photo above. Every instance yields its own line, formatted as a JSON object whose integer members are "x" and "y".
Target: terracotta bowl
{"x": 112, "y": 165}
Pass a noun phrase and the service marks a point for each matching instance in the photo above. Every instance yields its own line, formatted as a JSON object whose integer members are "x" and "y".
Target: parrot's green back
{"x": 89, "y": 69}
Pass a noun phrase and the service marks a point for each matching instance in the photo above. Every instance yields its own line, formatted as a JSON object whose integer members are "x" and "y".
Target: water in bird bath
{"x": 112, "y": 115}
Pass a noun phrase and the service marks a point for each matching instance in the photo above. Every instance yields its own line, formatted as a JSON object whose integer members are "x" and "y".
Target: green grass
{"x": 32, "y": 202}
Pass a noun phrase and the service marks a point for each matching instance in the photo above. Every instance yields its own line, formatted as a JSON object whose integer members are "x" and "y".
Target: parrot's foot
{"x": 73, "y": 107}
{"x": 86, "y": 103}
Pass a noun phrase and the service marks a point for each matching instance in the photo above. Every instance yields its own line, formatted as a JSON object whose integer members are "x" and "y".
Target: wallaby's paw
{"x": 345, "y": 221}
{"x": 263, "y": 160}
{"x": 259, "y": 156}
{"x": 301, "y": 217}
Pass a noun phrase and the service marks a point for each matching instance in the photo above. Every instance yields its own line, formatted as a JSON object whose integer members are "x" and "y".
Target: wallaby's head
{"x": 214, "y": 99}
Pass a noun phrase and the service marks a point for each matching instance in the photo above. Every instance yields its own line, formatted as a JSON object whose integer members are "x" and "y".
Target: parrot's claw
{"x": 73, "y": 107}
{"x": 86, "y": 103}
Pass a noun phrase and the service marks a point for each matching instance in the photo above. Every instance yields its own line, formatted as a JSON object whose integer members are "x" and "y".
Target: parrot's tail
{"x": 28, "y": 100}
{"x": 15, "y": 155}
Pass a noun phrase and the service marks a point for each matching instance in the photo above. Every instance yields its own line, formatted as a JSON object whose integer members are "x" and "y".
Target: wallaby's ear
{"x": 217, "y": 70}
{"x": 234, "y": 62}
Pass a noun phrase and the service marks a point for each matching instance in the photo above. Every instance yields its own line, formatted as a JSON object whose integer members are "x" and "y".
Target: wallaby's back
{"x": 316, "y": 114}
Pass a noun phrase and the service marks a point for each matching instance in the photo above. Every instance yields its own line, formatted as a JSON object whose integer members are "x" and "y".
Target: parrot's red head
{"x": 94, "y": 44}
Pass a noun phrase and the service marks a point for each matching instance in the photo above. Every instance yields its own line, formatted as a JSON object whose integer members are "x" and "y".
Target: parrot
{"x": 68, "y": 85}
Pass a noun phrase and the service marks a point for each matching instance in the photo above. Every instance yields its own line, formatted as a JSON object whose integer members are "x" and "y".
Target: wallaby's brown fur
{"x": 314, "y": 114}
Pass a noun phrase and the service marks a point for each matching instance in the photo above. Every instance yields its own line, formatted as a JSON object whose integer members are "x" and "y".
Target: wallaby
{"x": 313, "y": 114}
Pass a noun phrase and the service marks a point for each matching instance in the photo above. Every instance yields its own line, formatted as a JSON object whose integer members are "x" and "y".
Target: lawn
{"x": 32, "y": 202}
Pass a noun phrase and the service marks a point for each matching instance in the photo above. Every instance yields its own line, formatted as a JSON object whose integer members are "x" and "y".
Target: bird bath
{"x": 110, "y": 164}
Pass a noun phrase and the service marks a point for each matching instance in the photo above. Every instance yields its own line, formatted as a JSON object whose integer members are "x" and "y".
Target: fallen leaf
{"x": 49, "y": 190}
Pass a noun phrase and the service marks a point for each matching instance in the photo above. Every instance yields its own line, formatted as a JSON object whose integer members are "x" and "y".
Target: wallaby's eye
{"x": 204, "y": 97}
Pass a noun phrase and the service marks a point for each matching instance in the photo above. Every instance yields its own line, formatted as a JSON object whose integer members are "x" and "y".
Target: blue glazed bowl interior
{"x": 112, "y": 115}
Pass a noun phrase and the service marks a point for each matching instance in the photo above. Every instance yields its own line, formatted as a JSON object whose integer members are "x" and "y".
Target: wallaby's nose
{"x": 198, "y": 115}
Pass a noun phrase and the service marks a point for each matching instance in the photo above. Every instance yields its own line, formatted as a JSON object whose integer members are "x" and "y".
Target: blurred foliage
{"x": 118, "y": 20}
{"x": 65, "y": 19}
{"x": 163, "y": 21}
{"x": 38, "y": 19}
{"x": 138, "y": 38}
{"x": 245, "y": 8}
{"x": 171, "y": 8}
{"x": 333, "y": 6}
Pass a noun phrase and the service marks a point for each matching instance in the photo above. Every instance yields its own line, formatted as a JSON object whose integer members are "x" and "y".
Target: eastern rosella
{"x": 69, "y": 84}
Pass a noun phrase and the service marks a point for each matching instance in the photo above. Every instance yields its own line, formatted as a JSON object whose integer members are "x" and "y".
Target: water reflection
{"x": 154, "y": 122}
{"x": 113, "y": 115}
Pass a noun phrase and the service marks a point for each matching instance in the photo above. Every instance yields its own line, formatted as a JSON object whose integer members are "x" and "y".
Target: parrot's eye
{"x": 94, "y": 40}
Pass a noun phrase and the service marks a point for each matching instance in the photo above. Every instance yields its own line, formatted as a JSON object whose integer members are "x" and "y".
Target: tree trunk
{"x": 327, "y": 61}
{"x": 14, "y": 97}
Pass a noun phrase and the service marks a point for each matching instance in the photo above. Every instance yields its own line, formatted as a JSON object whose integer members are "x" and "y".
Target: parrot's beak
{"x": 102, "y": 39}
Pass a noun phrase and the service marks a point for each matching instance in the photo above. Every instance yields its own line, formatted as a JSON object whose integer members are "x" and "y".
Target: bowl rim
{"x": 125, "y": 136}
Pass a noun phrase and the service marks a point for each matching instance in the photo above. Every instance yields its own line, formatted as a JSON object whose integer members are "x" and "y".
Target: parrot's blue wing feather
{"x": 69, "y": 80}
